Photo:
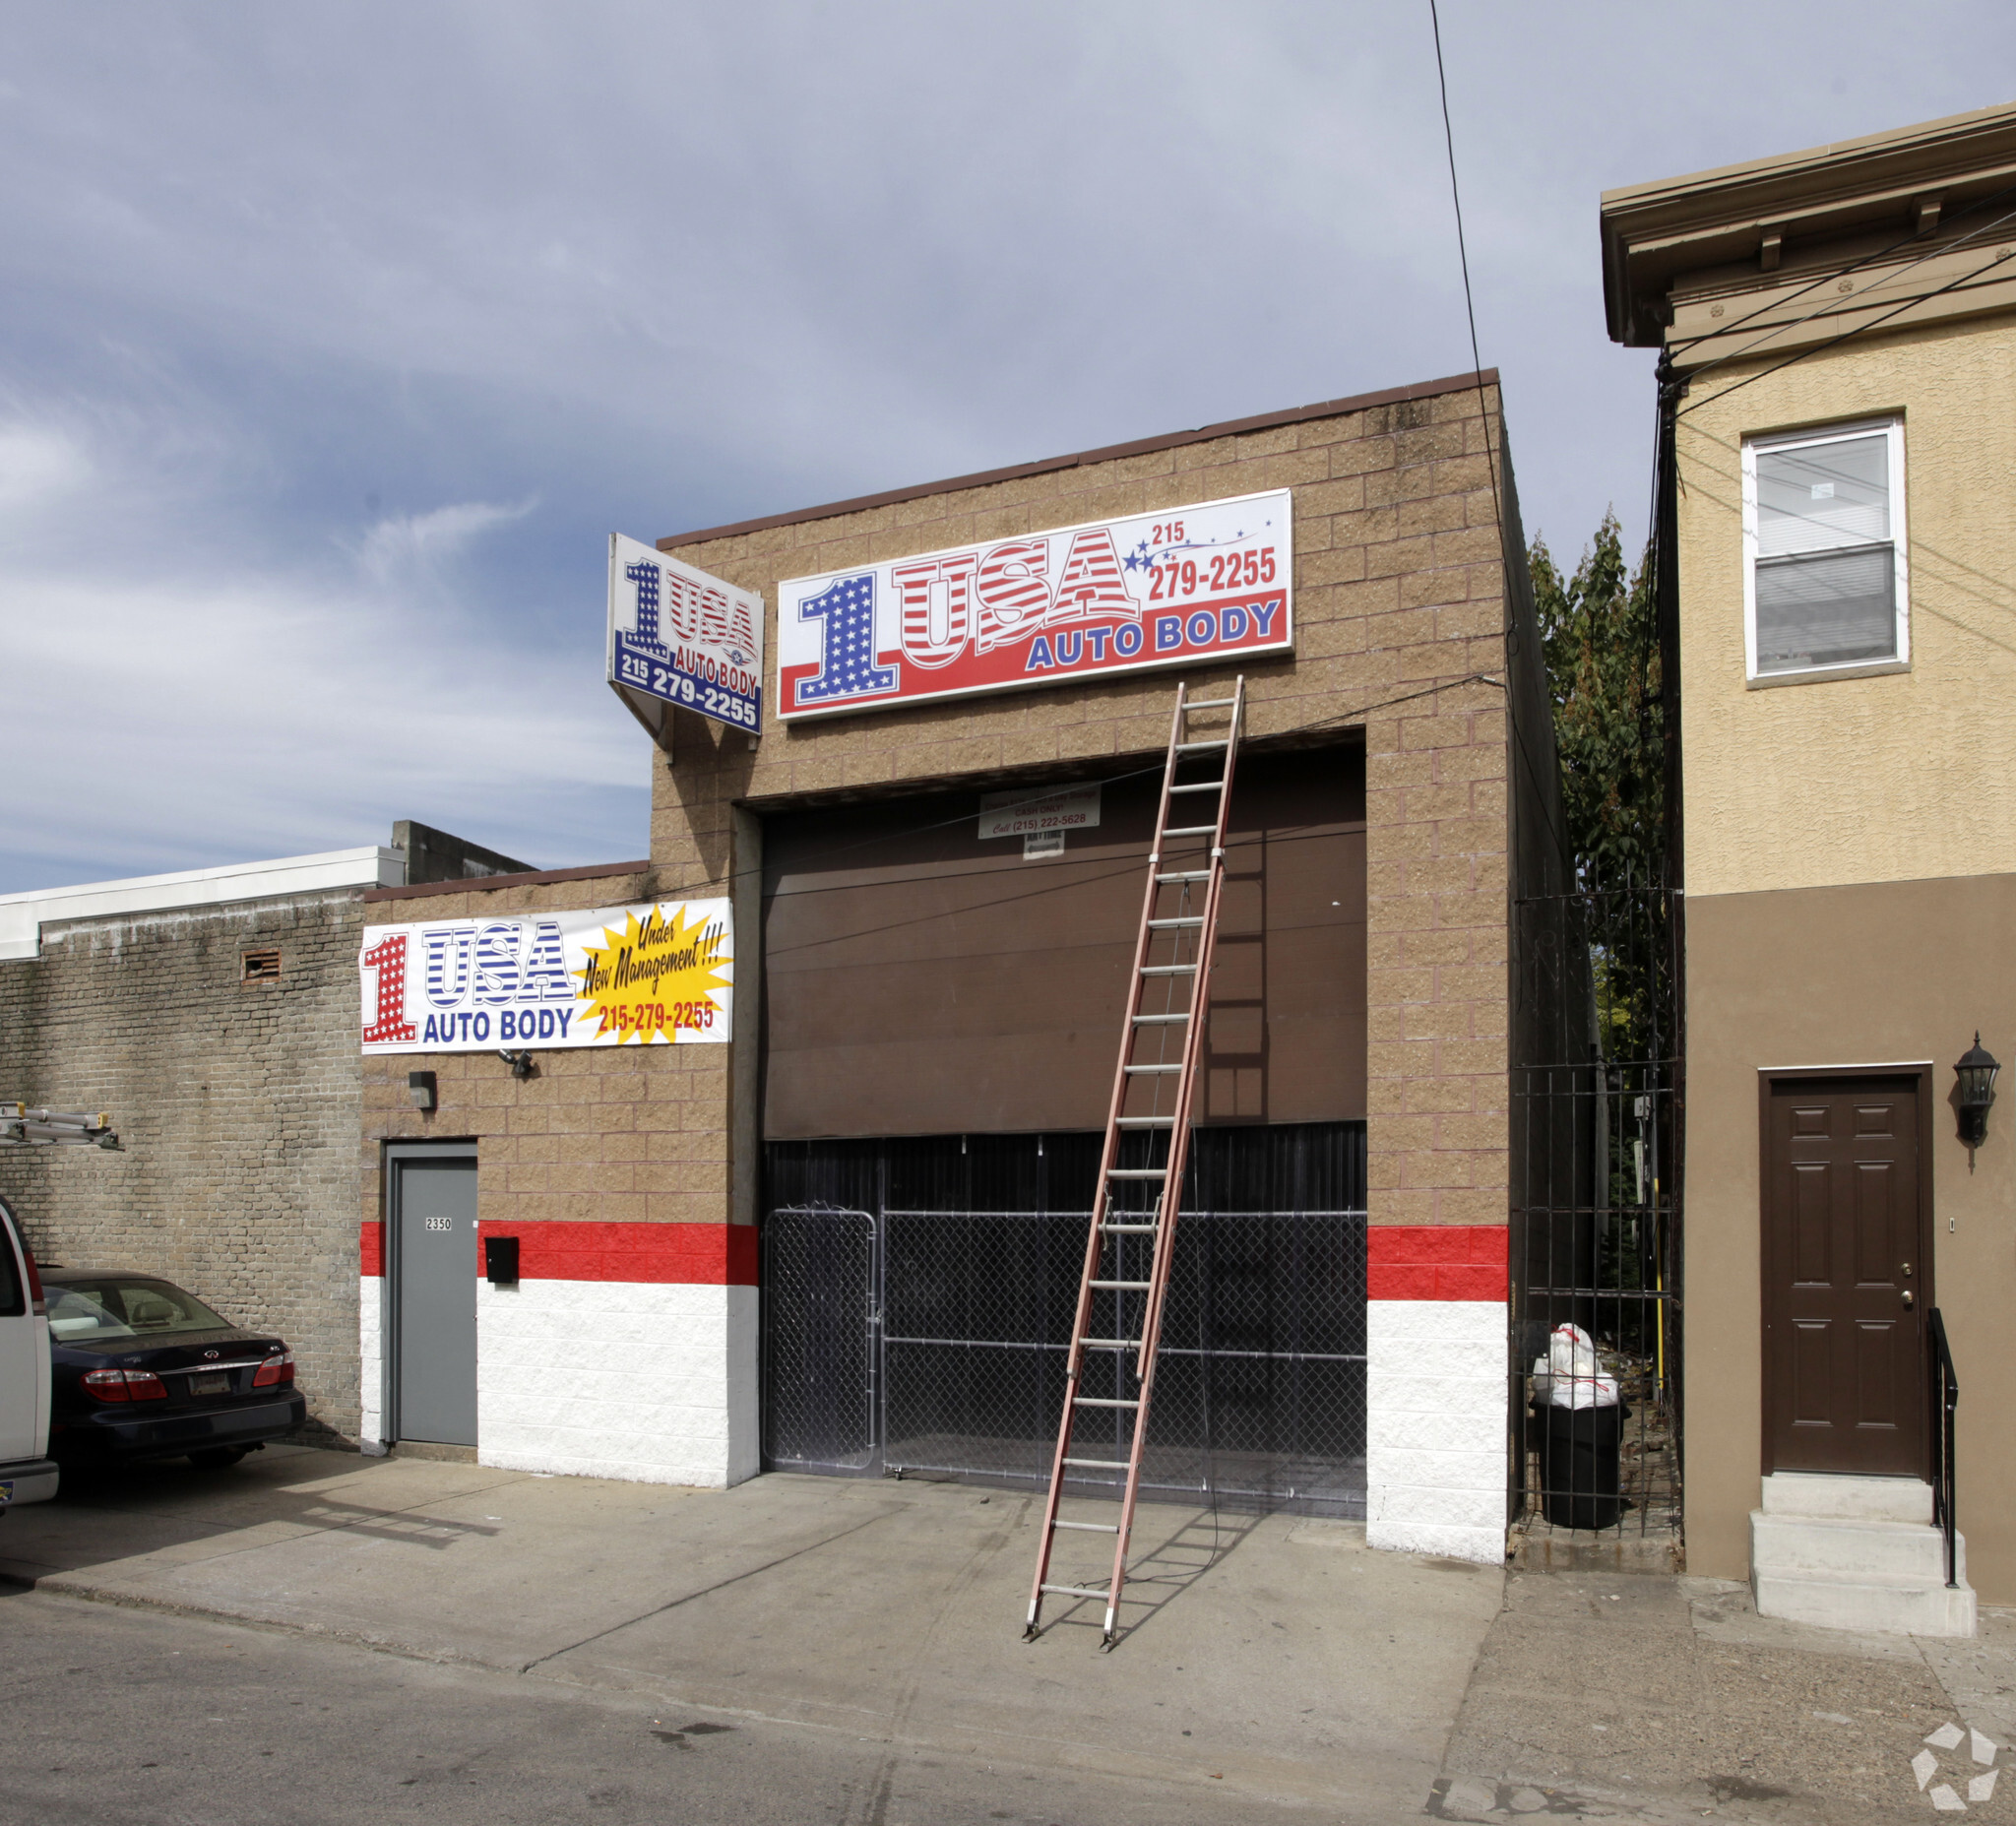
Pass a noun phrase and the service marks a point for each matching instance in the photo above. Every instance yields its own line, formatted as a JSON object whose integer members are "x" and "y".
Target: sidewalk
{"x": 1277, "y": 1657}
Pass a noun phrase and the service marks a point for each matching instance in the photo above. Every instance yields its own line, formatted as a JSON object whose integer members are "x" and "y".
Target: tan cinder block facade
{"x": 615, "y": 1136}
{"x": 1400, "y": 617}
{"x": 1850, "y": 840}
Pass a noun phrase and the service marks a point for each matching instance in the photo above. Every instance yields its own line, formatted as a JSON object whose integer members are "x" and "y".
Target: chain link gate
{"x": 945, "y": 1356}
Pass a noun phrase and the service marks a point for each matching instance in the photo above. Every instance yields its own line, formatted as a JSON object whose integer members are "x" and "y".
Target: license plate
{"x": 216, "y": 1384}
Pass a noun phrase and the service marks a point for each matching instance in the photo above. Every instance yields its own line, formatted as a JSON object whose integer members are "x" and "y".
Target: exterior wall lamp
{"x": 519, "y": 1062}
{"x": 1976, "y": 1071}
{"x": 420, "y": 1086}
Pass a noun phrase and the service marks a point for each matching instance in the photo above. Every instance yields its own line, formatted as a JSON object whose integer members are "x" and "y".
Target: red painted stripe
{"x": 371, "y": 1247}
{"x": 1436, "y": 1261}
{"x": 676, "y": 1254}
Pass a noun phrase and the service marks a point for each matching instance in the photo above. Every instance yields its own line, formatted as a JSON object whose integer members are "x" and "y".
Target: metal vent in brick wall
{"x": 259, "y": 966}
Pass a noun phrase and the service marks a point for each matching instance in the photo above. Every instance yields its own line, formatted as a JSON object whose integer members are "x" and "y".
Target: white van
{"x": 26, "y": 1474}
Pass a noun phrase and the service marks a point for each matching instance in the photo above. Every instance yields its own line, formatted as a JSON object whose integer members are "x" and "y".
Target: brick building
{"x": 214, "y": 1013}
{"x": 926, "y": 1025}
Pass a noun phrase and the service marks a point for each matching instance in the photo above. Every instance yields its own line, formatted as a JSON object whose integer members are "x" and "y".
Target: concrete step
{"x": 1801, "y": 1543}
{"x": 1832, "y": 1600}
{"x": 1862, "y": 1499}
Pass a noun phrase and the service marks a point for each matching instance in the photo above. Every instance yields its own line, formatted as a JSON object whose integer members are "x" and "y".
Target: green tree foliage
{"x": 1603, "y": 665}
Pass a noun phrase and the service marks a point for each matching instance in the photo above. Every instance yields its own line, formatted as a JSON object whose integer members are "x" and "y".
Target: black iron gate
{"x": 1596, "y": 1211}
{"x": 917, "y": 1297}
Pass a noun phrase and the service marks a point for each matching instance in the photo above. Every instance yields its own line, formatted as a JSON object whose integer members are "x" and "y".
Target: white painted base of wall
{"x": 371, "y": 1364}
{"x": 652, "y": 1382}
{"x": 1435, "y": 1428}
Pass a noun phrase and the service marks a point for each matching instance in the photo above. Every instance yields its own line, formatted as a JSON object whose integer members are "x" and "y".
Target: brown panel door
{"x": 1846, "y": 1275}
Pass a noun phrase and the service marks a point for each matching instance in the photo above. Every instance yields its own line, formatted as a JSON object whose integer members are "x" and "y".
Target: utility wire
{"x": 1840, "y": 273}
{"x": 1357, "y": 715}
{"x": 1476, "y": 361}
{"x": 1835, "y": 307}
{"x": 1846, "y": 336}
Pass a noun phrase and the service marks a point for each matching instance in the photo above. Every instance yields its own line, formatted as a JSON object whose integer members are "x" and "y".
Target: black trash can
{"x": 1579, "y": 1453}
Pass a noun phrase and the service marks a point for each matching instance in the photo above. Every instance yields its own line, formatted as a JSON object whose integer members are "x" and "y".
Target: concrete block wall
{"x": 1400, "y": 594}
{"x": 238, "y": 1106}
{"x": 1402, "y": 609}
{"x": 628, "y": 1347}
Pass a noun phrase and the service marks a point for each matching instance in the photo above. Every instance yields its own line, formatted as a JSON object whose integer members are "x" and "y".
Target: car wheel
{"x": 215, "y": 1457}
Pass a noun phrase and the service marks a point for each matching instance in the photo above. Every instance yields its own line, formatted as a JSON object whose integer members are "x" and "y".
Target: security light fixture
{"x": 1976, "y": 1071}
{"x": 519, "y": 1062}
{"x": 420, "y": 1086}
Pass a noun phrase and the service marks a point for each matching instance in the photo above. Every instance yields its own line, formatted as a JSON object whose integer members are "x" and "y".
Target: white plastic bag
{"x": 1570, "y": 1375}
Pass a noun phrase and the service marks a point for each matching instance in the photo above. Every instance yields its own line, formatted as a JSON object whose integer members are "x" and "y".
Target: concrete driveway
{"x": 1275, "y": 1655}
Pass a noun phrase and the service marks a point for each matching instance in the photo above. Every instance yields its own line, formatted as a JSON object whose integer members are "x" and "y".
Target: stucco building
{"x": 1840, "y": 331}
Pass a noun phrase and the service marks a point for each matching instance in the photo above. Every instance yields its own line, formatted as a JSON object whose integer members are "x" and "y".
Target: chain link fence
{"x": 930, "y": 1338}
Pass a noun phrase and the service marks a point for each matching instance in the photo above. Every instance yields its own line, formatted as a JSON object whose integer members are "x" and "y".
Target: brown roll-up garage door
{"x": 920, "y": 980}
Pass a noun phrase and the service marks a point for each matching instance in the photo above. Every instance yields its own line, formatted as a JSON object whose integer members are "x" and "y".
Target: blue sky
{"x": 333, "y": 342}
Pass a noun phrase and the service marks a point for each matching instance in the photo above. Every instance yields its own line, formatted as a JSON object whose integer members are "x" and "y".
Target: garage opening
{"x": 941, "y": 1015}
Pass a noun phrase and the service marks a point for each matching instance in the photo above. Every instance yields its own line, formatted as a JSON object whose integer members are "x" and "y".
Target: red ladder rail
{"x": 1105, "y": 1249}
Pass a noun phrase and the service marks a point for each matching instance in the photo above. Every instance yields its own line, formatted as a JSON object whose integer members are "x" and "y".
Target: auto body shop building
{"x": 848, "y": 1238}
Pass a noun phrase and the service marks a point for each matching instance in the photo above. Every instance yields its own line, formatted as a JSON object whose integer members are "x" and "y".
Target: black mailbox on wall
{"x": 500, "y": 1260}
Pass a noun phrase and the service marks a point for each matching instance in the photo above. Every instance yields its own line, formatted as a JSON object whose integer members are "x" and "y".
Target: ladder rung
{"x": 1147, "y": 1122}
{"x": 1193, "y": 747}
{"x": 1151, "y": 1069}
{"x": 1090, "y": 1528}
{"x": 1199, "y": 786}
{"x": 1128, "y": 1230}
{"x": 1103, "y": 1401}
{"x": 1163, "y": 926}
{"x": 1078, "y": 1591}
{"x": 1137, "y": 1172}
{"x": 1189, "y": 830}
{"x": 1112, "y": 1344}
{"x": 1123, "y": 1287}
{"x": 1100, "y": 1464}
{"x": 1210, "y": 703}
{"x": 1188, "y": 874}
{"x": 1168, "y": 969}
{"x": 1159, "y": 1020}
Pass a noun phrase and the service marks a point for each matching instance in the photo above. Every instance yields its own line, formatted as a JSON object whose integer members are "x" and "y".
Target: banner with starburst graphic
{"x": 657, "y": 974}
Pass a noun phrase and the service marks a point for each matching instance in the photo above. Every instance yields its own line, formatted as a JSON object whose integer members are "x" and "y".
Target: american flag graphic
{"x": 847, "y": 665}
{"x": 1015, "y": 592}
{"x": 914, "y": 592}
{"x": 1092, "y": 583}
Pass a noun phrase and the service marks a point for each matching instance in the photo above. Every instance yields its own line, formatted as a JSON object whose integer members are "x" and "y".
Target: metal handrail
{"x": 1946, "y": 1392}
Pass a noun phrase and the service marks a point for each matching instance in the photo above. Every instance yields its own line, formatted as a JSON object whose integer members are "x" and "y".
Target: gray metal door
{"x": 434, "y": 1225}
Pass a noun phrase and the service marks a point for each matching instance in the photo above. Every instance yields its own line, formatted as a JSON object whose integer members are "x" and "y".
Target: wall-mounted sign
{"x": 1027, "y": 814}
{"x": 678, "y": 636}
{"x": 1042, "y": 609}
{"x": 662, "y": 972}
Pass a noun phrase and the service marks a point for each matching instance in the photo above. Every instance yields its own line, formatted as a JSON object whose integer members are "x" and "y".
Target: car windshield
{"x": 122, "y": 1307}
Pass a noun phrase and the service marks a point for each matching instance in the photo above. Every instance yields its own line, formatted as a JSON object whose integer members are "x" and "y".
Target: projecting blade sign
{"x": 1170, "y": 587}
{"x": 680, "y": 636}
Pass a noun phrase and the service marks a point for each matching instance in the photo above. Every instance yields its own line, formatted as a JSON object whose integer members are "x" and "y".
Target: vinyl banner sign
{"x": 678, "y": 636}
{"x": 1041, "y": 609}
{"x": 661, "y": 972}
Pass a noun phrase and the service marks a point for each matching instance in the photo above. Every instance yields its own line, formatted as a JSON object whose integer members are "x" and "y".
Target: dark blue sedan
{"x": 144, "y": 1371}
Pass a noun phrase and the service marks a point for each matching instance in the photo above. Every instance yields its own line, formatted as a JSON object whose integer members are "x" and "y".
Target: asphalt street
{"x": 151, "y": 1720}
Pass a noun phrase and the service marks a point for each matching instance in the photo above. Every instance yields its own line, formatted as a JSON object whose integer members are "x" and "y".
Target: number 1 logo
{"x": 387, "y": 959}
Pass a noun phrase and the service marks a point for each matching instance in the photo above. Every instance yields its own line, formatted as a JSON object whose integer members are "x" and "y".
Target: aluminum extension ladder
{"x": 1119, "y": 1310}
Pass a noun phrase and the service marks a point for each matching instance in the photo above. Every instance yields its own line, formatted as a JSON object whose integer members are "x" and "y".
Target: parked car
{"x": 26, "y": 1474}
{"x": 146, "y": 1370}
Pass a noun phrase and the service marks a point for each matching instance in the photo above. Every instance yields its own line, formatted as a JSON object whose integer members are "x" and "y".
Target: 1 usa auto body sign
{"x": 1041, "y": 608}
{"x": 678, "y": 636}
{"x": 661, "y": 972}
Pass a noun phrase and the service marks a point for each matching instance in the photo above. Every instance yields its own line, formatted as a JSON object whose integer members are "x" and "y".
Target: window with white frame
{"x": 1824, "y": 556}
